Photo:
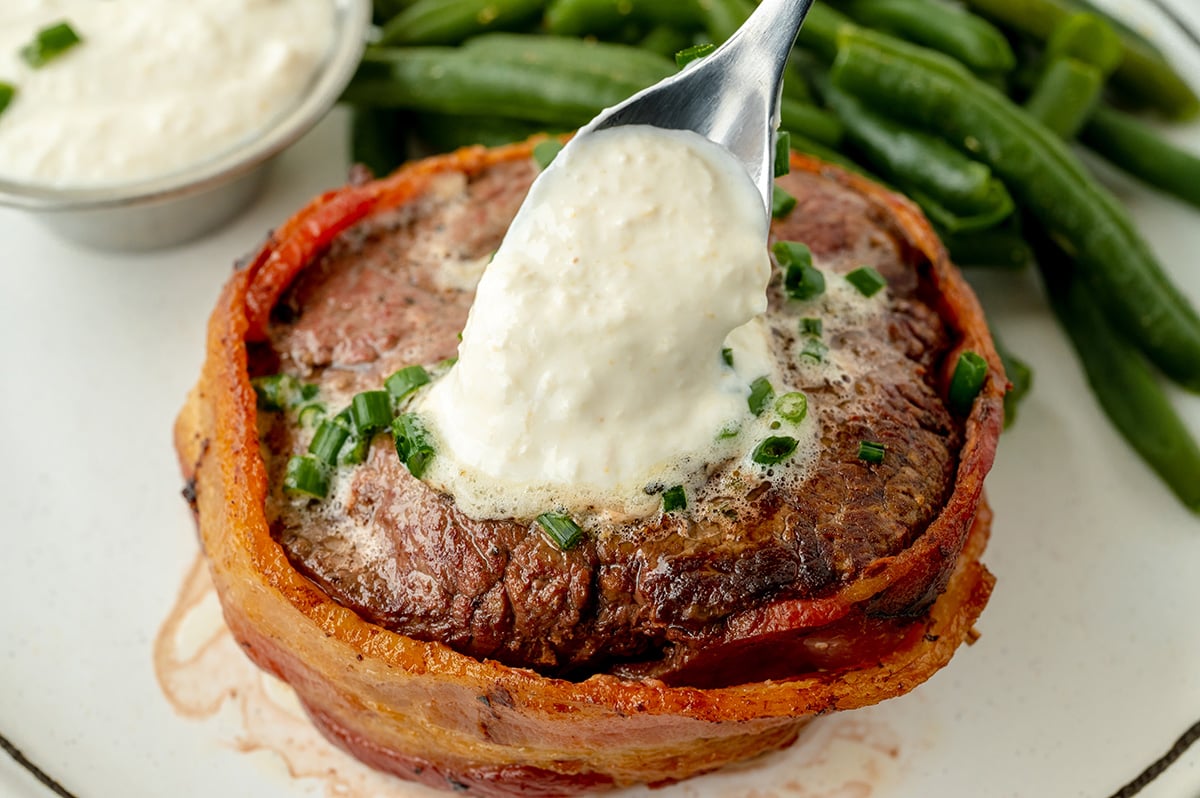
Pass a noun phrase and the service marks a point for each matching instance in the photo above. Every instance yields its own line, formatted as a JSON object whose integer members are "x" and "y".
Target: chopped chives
{"x": 311, "y": 413}
{"x": 761, "y": 394}
{"x": 729, "y": 431}
{"x": 412, "y": 443}
{"x": 782, "y": 203}
{"x": 561, "y": 529}
{"x": 354, "y": 450}
{"x": 868, "y": 281}
{"x": 50, "y": 43}
{"x": 800, "y": 279}
{"x": 693, "y": 53}
{"x": 544, "y": 153}
{"x": 7, "y": 92}
{"x": 871, "y": 452}
{"x": 674, "y": 499}
{"x": 281, "y": 391}
{"x": 327, "y": 441}
{"x": 783, "y": 153}
{"x": 811, "y": 326}
{"x": 774, "y": 450}
{"x": 814, "y": 350}
{"x": 969, "y": 375}
{"x": 448, "y": 363}
{"x": 405, "y": 381}
{"x": 306, "y": 476}
{"x": 792, "y": 406}
{"x": 727, "y": 356}
{"x": 370, "y": 411}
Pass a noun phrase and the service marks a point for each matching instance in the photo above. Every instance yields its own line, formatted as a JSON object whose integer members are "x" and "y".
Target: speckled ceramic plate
{"x": 117, "y": 678}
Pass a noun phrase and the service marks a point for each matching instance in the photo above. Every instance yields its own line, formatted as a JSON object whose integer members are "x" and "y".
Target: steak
{"x": 687, "y": 599}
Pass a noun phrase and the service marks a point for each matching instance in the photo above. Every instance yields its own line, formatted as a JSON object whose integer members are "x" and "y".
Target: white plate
{"x": 1088, "y": 668}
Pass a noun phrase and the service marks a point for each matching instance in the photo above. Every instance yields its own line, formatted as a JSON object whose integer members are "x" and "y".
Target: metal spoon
{"x": 731, "y": 97}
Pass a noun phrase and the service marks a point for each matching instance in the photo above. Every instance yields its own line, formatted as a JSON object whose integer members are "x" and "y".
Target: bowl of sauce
{"x": 137, "y": 124}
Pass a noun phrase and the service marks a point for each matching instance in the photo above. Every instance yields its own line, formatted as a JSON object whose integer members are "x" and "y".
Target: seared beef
{"x": 634, "y": 598}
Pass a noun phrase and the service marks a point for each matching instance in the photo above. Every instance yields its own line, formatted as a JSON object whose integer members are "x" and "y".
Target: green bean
{"x": 444, "y": 132}
{"x": 935, "y": 92}
{"x": 1124, "y": 384}
{"x": 450, "y": 21}
{"x": 819, "y": 33}
{"x": 998, "y": 248}
{"x": 1143, "y": 74}
{"x": 378, "y": 139}
{"x": 1139, "y": 150}
{"x": 940, "y": 26}
{"x": 807, "y": 120}
{"x": 617, "y": 62}
{"x": 454, "y": 81}
{"x": 1087, "y": 38}
{"x": 1117, "y": 24}
{"x": 817, "y": 150}
{"x": 958, "y": 193}
{"x": 383, "y": 10}
{"x": 665, "y": 40}
{"x": 599, "y": 17}
{"x": 1065, "y": 96}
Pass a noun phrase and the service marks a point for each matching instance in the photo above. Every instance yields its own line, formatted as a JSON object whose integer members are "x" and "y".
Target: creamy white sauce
{"x": 590, "y": 366}
{"x": 155, "y": 87}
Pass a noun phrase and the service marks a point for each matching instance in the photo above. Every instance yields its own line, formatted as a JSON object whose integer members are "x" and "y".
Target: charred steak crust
{"x": 655, "y": 598}
{"x": 423, "y": 711}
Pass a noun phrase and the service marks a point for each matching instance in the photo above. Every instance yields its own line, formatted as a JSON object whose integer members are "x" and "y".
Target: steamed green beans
{"x": 1122, "y": 382}
{"x": 451, "y": 21}
{"x": 1135, "y": 147}
{"x": 454, "y": 81}
{"x": 599, "y": 17}
{"x": 1065, "y": 96}
{"x": 932, "y": 91}
{"x": 972, "y": 40}
{"x": 958, "y": 193}
{"x": 1143, "y": 73}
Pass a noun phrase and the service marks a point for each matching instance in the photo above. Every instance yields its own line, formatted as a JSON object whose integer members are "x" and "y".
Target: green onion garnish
{"x": 792, "y": 406}
{"x": 311, "y": 413}
{"x": 561, "y": 529}
{"x": 370, "y": 411}
{"x": 7, "y": 92}
{"x": 544, "y": 153}
{"x": 868, "y": 281}
{"x": 355, "y": 448}
{"x": 774, "y": 450}
{"x": 281, "y": 391}
{"x": 690, "y": 54}
{"x": 405, "y": 381}
{"x": 811, "y": 326}
{"x": 800, "y": 279}
{"x": 814, "y": 350}
{"x": 761, "y": 394}
{"x": 49, "y": 44}
{"x": 727, "y": 356}
{"x": 783, "y": 153}
{"x": 674, "y": 499}
{"x": 448, "y": 363}
{"x": 412, "y": 443}
{"x": 871, "y": 452}
{"x": 969, "y": 375}
{"x": 327, "y": 441}
{"x": 307, "y": 476}
{"x": 730, "y": 430}
{"x": 782, "y": 203}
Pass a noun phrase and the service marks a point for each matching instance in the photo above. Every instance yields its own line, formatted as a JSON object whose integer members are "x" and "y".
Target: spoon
{"x": 730, "y": 97}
